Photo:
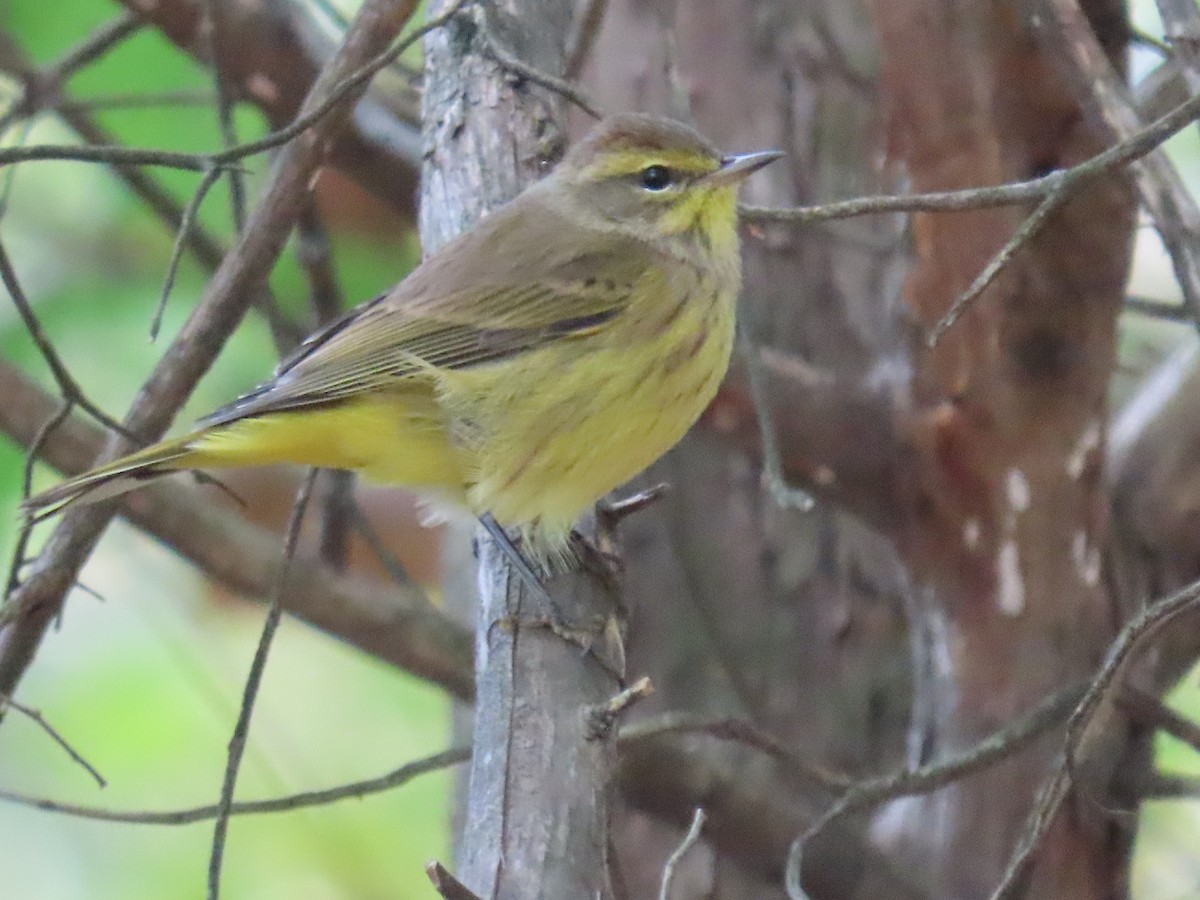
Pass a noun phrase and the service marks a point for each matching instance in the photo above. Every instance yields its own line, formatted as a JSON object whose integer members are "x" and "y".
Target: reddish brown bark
{"x": 979, "y": 461}
{"x": 1007, "y": 515}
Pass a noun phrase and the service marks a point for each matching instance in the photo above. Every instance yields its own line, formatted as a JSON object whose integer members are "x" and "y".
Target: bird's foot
{"x": 605, "y": 564}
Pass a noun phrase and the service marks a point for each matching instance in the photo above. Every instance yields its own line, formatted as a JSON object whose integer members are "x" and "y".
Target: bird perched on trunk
{"x": 530, "y": 366}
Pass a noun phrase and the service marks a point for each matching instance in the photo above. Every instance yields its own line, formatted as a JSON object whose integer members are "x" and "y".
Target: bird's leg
{"x": 600, "y": 639}
{"x": 516, "y": 559}
{"x": 603, "y": 562}
{"x": 600, "y": 556}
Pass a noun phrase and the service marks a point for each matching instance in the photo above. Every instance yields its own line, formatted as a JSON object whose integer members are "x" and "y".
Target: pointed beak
{"x": 735, "y": 168}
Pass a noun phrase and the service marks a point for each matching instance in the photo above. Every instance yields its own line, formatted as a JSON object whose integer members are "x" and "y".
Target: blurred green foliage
{"x": 147, "y": 684}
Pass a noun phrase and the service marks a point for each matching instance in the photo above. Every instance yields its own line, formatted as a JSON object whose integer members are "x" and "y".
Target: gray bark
{"x": 536, "y": 815}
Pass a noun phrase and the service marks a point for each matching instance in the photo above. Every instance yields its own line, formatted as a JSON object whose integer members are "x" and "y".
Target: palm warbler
{"x": 530, "y": 366}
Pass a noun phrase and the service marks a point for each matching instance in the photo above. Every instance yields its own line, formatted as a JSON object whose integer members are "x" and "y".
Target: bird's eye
{"x": 656, "y": 178}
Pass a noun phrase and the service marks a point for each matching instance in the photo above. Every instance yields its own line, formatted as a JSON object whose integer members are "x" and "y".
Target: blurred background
{"x": 144, "y": 673}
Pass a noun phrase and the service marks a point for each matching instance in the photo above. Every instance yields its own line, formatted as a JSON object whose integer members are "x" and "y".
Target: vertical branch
{"x": 537, "y": 814}
{"x": 237, "y": 743}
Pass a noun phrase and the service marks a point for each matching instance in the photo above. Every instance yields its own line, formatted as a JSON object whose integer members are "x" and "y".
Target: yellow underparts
{"x": 536, "y": 438}
{"x": 396, "y": 438}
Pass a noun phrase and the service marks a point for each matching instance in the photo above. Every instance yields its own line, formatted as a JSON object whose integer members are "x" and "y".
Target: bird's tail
{"x": 115, "y": 478}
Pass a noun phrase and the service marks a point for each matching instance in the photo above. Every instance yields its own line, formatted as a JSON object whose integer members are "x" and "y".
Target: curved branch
{"x": 270, "y": 55}
{"x": 37, "y": 601}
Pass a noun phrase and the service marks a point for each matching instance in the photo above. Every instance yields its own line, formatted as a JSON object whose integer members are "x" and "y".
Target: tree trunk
{"x": 950, "y": 580}
{"x": 536, "y": 806}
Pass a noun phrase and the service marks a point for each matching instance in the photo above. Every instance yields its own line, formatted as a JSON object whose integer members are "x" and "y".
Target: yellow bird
{"x": 530, "y": 366}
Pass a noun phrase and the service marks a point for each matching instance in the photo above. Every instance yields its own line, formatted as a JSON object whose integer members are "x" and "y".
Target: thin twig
{"x": 199, "y": 162}
{"x": 1144, "y": 626}
{"x": 55, "y": 735}
{"x": 1025, "y": 233}
{"x": 741, "y": 731}
{"x": 95, "y": 45}
{"x": 182, "y": 236}
{"x": 1181, "y": 30}
{"x": 446, "y": 884}
{"x": 689, "y": 841}
{"x": 314, "y": 252}
{"x": 1148, "y": 623}
{"x": 382, "y": 552}
{"x": 603, "y": 717}
{"x": 584, "y": 29}
{"x": 991, "y": 750}
{"x": 507, "y": 60}
{"x": 213, "y": 32}
{"x": 1049, "y": 799}
{"x": 108, "y": 155}
{"x": 42, "y": 88}
{"x": 784, "y": 495}
{"x": 237, "y": 744}
{"x": 220, "y": 309}
{"x": 206, "y": 248}
{"x": 1102, "y": 91}
{"x": 10, "y": 174}
{"x": 1120, "y": 154}
{"x": 25, "y": 530}
{"x": 337, "y": 518}
{"x": 1150, "y": 710}
{"x": 303, "y": 800}
{"x": 108, "y": 102}
{"x": 1159, "y": 309}
{"x": 67, "y": 384}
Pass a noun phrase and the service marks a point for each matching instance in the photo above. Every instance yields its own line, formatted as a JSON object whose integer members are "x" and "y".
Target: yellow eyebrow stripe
{"x": 627, "y": 162}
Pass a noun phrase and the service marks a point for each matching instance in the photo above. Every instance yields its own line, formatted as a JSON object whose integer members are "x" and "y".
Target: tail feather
{"x": 112, "y": 480}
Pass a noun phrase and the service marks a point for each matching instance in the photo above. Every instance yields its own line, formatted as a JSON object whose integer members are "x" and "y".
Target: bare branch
{"x": 588, "y": 19}
{"x": 303, "y": 800}
{"x": 604, "y": 716}
{"x": 270, "y": 54}
{"x": 40, "y": 720}
{"x": 742, "y": 732}
{"x": 395, "y": 623}
{"x": 446, "y": 884}
{"x": 1132, "y": 148}
{"x": 206, "y": 248}
{"x": 1025, "y": 233}
{"x": 1101, "y": 90}
{"x": 1144, "y": 626}
{"x": 1150, "y": 710}
{"x": 991, "y": 750}
{"x": 509, "y": 61}
{"x": 784, "y": 495}
{"x": 1158, "y": 309}
{"x": 1147, "y": 624}
{"x": 1181, "y": 28}
{"x": 95, "y": 46}
{"x": 1037, "y": 826}
{"x": 220, "y": 310}
{"x": 237, "y": 744}
{"x": 214, "y": 30}
{"x": 187, "y": 222}
{"x": 689, "y": 841}
{"x": 67, "y": 385}
{"x": 26, "y": 528}
{"x": 332, "y": 96}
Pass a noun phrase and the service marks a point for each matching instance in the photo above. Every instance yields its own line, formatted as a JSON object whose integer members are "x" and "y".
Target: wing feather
{"x": 478, "y": 301}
